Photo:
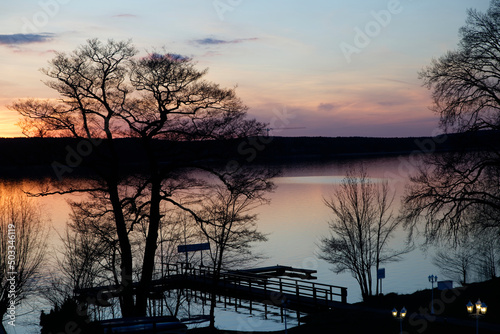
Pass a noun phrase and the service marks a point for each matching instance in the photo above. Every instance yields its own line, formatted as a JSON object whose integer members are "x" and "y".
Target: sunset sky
{"x": 330, "y": 67}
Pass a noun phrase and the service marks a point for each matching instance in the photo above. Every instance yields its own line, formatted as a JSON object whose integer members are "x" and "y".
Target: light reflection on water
{"x": 297, "y": 219}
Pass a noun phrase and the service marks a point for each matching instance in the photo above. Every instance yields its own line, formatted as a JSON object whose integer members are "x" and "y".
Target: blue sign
{"x": 193, "y": 247}
{"x": 381, "y": 273}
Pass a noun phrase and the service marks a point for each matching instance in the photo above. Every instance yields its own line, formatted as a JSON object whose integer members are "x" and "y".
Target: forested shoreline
{"x": 37, "y": 156}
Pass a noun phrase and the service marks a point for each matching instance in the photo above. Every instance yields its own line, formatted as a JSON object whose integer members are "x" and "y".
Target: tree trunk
{"x": 213, "y": 296}
{"x": 150, "y": 250}
{"x": 127, "y": 303}
{"x": 213, "y": 304}
{"x": 369, "y": 281}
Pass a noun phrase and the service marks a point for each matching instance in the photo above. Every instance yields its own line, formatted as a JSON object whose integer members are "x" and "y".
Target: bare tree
{"x": 177, "y": 227}
{"x": 33, "y": 128}
{"x": 473, "y": 255}
{"x": 465, "y": 89}
{"x": 362, "y": 226}
{"x": 228, "y": 221}
{"x": 22, "y": 247}
{"x": 89, "y": 258}
{"x": 487, "y": 255}
{"x": 455, "y": 263}
{"x": 464, "y": 82}
{"x": 456, "y": 260}
{"x": 108, "y": 93}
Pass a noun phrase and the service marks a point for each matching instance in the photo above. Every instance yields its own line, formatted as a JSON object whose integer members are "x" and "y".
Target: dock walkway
{"x": 251, "y": 285}
{"x": 271, "y": 290}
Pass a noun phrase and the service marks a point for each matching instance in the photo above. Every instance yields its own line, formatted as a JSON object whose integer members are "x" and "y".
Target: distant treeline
{"x": 37, "y": 156}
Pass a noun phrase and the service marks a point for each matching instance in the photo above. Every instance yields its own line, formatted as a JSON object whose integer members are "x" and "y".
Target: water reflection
{"x": 295, "y": 221}
{"x": 240, "y": 315}
{"x": 297, "y": 218}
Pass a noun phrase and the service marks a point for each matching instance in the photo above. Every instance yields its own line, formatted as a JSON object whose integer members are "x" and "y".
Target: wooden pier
{"x": 279, "y": 291}
{"x": 262, "y": 285}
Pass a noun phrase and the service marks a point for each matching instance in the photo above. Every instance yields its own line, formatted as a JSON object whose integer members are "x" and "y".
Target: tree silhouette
{"x": 107, "y": 92}
{"x": 474, "y": 255}
{"x": 362, "y": 226}
{"x": 22, "y": 247}
{"x": 465, "y": 90}
{"x": 228, "y": 222}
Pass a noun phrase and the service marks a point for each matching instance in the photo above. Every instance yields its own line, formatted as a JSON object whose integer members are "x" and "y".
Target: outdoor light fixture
{"x": 399, "y": 316}
{"x": 470, "y": 307}
{"x": 481, "y": 309}
{"x": 433, "y": 279}
{"x": 484, "y": 308}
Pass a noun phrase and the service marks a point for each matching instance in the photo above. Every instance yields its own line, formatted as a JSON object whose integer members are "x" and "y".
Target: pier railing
{"x": 298, "y": 290}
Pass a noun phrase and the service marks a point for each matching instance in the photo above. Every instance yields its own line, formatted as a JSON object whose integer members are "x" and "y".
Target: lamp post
{"x": 433, "y": 279}
{"x": 399, "y": 316}
{"x": 481, "y": 309}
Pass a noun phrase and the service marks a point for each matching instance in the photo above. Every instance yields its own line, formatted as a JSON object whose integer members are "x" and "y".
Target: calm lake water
{"x": 297, "y": 219}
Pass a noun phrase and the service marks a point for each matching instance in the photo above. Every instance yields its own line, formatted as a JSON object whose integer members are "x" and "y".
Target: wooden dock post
{"x": 344, "y": 295}
{"x": 251, "y": 294}
{"x": 297, "y": 292}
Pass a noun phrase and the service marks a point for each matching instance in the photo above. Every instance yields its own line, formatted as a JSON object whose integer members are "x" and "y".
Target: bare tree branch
{"x": 362, "y": 226}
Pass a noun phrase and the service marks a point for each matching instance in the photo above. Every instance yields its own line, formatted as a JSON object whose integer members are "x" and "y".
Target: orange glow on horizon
{"x": 8, "y": 127}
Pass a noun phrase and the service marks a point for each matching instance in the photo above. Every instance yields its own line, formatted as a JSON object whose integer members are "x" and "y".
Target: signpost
{"x": 380, "y": 276}
{"x": 193, "y": 248}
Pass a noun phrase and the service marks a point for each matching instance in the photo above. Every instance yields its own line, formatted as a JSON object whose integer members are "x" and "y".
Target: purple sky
{"x": 326, "y": 67}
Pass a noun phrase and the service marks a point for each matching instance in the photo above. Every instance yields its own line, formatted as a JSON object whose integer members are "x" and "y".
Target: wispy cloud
{"x": 326, "y": 107}
{"x": 399, "y": 81}
{"x": 126, "y": 15}
{"x": 17, "y": 39}
{"x": 390, "y": 103}
{"x": 216, "y": 41}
